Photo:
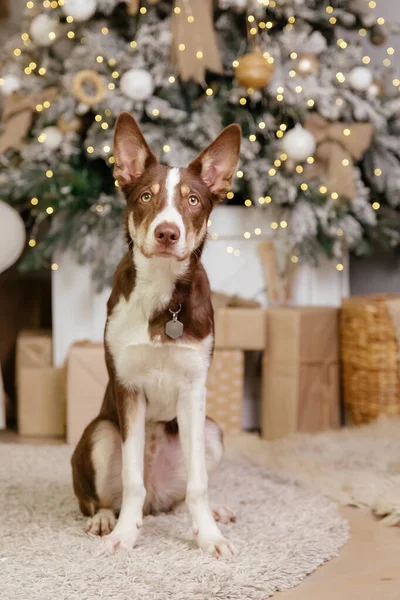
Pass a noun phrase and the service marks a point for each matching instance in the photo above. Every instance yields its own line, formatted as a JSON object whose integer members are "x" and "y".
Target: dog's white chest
{"x": 163, "y": 371}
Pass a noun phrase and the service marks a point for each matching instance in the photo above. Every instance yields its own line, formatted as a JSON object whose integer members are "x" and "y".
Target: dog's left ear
{"x": 217, "y": 163}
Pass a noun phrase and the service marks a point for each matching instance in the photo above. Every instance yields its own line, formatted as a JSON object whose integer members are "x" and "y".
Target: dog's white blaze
{"x": 170, "y": 213}
{"x": 173, "y": 178}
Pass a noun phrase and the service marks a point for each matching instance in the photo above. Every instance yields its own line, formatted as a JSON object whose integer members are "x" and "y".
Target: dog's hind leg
{"x": 96, "y": 470}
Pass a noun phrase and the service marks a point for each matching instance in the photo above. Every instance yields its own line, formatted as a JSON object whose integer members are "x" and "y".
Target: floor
{"x": 368, "y": 567}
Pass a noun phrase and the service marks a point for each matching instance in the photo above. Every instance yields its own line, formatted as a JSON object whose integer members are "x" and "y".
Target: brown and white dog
{"x": 151, "y": 445}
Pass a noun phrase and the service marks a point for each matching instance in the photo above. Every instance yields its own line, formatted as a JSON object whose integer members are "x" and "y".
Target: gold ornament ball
{"x": 71, "y": 125}
{"x": 254, "y": 71}
{"x": 307, "y": 63}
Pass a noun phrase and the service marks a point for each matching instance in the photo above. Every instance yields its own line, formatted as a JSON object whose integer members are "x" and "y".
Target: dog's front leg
{"x": 191, "y": 420}
{"x": 132, "y": 414}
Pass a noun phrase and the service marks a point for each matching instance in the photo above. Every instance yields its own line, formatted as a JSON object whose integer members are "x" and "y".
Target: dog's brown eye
{"x": 146, "y": 197}
{"x": 193, "y": 200}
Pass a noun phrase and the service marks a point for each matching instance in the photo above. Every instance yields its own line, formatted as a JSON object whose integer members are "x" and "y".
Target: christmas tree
{"x": 320, "y": 150}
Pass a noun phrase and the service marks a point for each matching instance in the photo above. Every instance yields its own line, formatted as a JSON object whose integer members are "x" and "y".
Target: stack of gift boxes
{"x": 300, "y": 374}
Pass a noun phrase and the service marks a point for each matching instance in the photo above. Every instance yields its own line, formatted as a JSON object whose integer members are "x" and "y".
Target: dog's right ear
{"x": 132, "y": 153}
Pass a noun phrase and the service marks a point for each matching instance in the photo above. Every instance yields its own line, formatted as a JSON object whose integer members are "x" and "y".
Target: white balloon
{"x": 53, "y": 139}
{"x": 11, "y": 83}
{"x": 360, "y": 78}
{"x": 298, "y": 143}
{"x": 12, "y": 236}
{"x": 137, "y": 84}
{"x": 80, "y": 10}
{"x": 42, "y": 29}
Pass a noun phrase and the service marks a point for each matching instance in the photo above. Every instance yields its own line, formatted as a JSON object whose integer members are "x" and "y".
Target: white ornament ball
{"x": 43, "y": 30}
{"x": 11, "y": 83}
{"x": 82, "y": 109}
{"x": 360, "y": 78}
{"x": 298, "y": 143}
{"x": 12, "y": 236}
{"x": 80, "y": 10}
{"x": 137, "y": 84}
{"x": 52, "y": 137}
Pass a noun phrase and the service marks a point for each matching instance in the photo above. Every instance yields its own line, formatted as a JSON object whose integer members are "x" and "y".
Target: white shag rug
{"x": 357, "y": 466}
{"x": 283, "y": 532}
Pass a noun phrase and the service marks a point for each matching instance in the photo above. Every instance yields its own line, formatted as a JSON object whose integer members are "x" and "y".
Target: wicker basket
{"x": 370, "y": 334}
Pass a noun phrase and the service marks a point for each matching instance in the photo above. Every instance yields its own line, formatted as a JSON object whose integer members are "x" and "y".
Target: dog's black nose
{"x": 167, "y": 234}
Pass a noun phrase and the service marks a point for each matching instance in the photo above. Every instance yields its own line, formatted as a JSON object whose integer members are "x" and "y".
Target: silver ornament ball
{"x": 80, "y": 10}
{"x": 10, "y": 83}
{"x": 360, "y": 78}
{"x": 298, "y": 143}
{"x": 52, "y": 137}
{"x": 43, "y": 30}
{"x": 137, "y": 84}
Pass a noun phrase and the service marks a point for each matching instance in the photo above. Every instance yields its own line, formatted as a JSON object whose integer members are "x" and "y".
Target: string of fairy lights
{"x": 255, "y": 28}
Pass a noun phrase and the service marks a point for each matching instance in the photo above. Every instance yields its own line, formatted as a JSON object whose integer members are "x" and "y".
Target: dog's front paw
{"x": 121, "y": 539}
{"x": 102, "y": 523}
{"x": 224, "y": 514}
{"x": 216, "y": 546}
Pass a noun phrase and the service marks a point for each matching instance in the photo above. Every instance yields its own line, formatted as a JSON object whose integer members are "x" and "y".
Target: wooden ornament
{"x": 254, "y": 71}
{"x": 73, "y": 125}
{"x": 89, "y": 78}
{"x": 132, "y": 7}
{"x": 378, "y": 35}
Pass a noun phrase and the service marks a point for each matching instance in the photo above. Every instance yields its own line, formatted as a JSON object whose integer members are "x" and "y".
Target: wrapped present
{"x": 40, "y": 387}
{"x": 222, "y": 300}
{"x": 239, "y": 323}
{"x": 86, "y": 381}
{"x": 41, "y": 402}
{"x": 301, "y": 376}
{"x": 34, "y": 349}
{"x": 240, "y": 328}
{"x": 225, "y": 390}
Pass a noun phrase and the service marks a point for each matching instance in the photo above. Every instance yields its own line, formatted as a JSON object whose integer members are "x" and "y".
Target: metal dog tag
{"x": 174, "y": 328}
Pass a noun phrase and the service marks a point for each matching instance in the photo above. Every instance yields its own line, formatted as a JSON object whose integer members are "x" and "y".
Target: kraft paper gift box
{"x": 240, "y": 328}
{"x": 41, "y": 402}
{"x": 34, "y": 349}
{"x": 86, "y": 381}
{"x": 301, "y": 376}
{"x": 225, "y": 390}
{"x": 40, "y": 387}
